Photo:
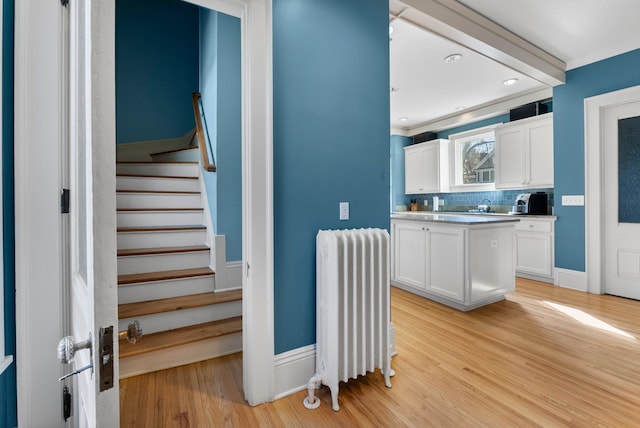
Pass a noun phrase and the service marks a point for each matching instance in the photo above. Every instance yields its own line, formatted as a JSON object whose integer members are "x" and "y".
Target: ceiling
{"x": 577, "y": 32}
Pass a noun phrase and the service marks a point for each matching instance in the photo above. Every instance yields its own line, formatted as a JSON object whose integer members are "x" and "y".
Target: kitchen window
{"x": 473, "y": 160}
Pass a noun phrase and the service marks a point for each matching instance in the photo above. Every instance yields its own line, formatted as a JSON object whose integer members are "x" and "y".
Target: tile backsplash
{"x": 498, "y": 198}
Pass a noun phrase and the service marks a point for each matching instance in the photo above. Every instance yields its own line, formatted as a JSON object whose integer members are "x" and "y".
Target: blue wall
{"x": 220, "y": 86}
{"x": 398, "y": 143}
{"x": 608, "y": 75}
{"x": 331, "y": 140}
{"x": 8, "y": 403}
{"x": 156, "y": 68}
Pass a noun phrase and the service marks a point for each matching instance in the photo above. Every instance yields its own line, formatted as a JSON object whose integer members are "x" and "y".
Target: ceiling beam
{"x": 464, "y": 26}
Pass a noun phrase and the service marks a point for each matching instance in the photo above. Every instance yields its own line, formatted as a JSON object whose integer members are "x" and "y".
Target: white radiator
{"x": 352, "y": 308}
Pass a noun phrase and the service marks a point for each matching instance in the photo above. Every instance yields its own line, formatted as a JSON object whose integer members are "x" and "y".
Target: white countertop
{"x": 455, "y": 218}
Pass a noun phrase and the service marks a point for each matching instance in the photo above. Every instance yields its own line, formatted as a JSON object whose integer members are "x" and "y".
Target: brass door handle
{"x": 133, "y": 333}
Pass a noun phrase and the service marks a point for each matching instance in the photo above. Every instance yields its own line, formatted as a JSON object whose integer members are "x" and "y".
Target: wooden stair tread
{"x": 162, "y": 228}
{"x": 183, "y": 149}
{"x": 161, "y": 250}
{"x": 138, "y": 309}
{"x": 160, "y": 192}
{"x": 163, "y": 275}
{"x": 181, "y": 336}
{"x": 185, "y": 177}
{"x": 120, "y": 210}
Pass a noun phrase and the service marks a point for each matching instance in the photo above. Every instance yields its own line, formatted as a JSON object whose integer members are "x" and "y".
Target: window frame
{"x": 455, "y": 147}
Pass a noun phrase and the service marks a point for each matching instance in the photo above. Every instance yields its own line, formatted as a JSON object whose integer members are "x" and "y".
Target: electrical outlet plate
{"x": 344, "y": 210}
{"x": 573, "y": 200}
{"x": 441, "y": 202}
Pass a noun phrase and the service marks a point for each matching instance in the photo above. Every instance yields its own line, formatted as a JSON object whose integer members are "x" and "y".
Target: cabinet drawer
{"x": 534, "y": 226}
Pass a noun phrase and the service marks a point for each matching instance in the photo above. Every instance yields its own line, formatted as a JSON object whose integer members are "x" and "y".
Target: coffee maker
{"x": 531, "y": 203}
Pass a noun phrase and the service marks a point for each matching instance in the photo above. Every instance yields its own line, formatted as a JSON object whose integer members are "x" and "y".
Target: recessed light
{"x": 394, "y": 89}
{"x": 510, "y": 82}
{"x": 403, "y": 119}
{"x": 453, "y": 58}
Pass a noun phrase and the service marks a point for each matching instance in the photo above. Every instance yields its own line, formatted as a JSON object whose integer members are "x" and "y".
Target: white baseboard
{"x": 573, "y": 279}
{"x": 232, "y": 277}
{"x": 292, "y": 370}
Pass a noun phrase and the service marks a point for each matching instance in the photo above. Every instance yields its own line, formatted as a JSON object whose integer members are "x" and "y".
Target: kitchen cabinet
{"x": 524, "y": 153}
{"x": 463, "y": 262}
{"x": 534, "y": 248}
{"x": 426, "y": 167}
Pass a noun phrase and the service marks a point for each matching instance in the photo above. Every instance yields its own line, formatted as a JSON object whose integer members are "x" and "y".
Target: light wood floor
{"x": 525, "y": 361}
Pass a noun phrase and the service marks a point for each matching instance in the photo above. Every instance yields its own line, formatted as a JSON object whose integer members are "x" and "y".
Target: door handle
{"x": 67, "y": 348}
{"x": 133, "y": 333}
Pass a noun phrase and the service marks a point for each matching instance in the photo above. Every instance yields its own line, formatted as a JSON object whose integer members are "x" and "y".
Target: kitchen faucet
{"x": 484, "y": 208}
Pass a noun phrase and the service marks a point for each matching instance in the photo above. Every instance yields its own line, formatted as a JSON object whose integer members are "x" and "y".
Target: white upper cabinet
{"x": 524, "y": 153}
{"x": 426, "y": 167}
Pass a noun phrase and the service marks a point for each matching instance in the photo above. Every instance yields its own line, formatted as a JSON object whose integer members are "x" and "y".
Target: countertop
{"x": 454, "y": 218}
{"x": 474, "y": 214}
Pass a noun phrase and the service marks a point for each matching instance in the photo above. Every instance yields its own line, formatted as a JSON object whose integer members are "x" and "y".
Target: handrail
{"x": 206, "y": 165}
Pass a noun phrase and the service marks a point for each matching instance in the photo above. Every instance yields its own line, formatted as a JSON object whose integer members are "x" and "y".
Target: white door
{"x": 621, "y": 201}
{"x": 92, "y": 237}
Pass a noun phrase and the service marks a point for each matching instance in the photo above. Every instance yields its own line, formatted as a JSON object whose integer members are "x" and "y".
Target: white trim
{"x": 593, "y": 117}
{"x": 481, "y": 112}
{"x": 38, "y": 88}
{"x": 5, "y": 361}
{"x": 293, "y": 369}
{"x": 257, "y": 200}
{"x": 573, "y": 279}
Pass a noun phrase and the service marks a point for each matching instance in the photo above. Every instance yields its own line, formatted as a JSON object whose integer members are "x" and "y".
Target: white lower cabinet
{"x": 461, "y": 266}
{"x": 534, "y": 248}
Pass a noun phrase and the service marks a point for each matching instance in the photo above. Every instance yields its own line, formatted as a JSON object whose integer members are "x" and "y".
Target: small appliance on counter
{"x": 531, "y": 204}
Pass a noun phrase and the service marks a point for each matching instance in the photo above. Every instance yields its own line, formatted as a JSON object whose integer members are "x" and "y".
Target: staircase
{"x": 164, "y": 277}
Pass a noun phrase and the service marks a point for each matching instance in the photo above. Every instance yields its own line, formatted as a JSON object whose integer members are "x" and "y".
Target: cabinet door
{"x": 533, "y": 253}
{"x": 446, "y": 263}
{"x": 509, "y": 156}
{"x": 540, "y": 167}
{"x": 414, "y": 171}
{"x": 409, "y": 241}
{"x": 431, "y": 165}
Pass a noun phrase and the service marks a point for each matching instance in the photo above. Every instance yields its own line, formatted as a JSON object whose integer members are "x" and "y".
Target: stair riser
{"x": 165, "y": 289}
{"x": 181, "y": 156}
{"x": 158, "y": 218}
{"x": 157, "y": 200}
{"x": 157, "y": 183}
{"x": 168, "y": 169}
{"x": 183, "y": 318}
{"x": 159, "y": 262}
{"x": 180, "y": 355}
{"x": 178, "y": 238}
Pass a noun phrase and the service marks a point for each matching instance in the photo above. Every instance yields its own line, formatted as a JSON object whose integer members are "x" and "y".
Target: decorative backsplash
{"x": 498, "y": 198}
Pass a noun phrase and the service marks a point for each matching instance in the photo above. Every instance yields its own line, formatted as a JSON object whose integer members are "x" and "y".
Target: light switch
{"x": 344, "y": 210}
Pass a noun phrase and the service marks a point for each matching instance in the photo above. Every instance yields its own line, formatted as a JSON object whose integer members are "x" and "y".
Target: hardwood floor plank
{"x": 534, "y": 359}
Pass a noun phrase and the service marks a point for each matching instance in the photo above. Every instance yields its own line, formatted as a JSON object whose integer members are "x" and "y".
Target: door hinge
{"x": 64, "y": 201}
{"x": 64, "y": 3}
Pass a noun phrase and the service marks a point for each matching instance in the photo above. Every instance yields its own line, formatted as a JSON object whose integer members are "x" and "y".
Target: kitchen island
{"x": 462, "y": 261}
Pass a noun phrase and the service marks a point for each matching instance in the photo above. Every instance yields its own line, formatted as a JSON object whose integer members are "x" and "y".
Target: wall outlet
{"x": 494, "y": 243}
{"x": 441, "y": 202}
{"x": 426, "y": 203}
{"x": 344, "y": 210}
{"x": 573, "y": 200}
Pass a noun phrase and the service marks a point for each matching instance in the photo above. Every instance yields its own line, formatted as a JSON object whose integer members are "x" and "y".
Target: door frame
{"x": 594, "y": 180}
{"x": 38, "y": 99}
